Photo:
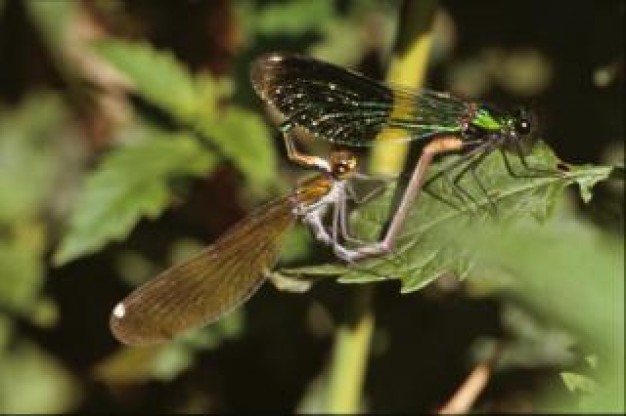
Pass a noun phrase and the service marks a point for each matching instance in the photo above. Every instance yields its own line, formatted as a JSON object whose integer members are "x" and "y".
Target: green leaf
{"x": 570, "y": 273}
{"x": 587, "y": 182}
{"x": 31, "y": 381}
{"x": 427, "y": 247}
{"x": 51, "y": 18}
{"x": 132, "y": 182}
{"x": 244, "y": 138}
{"x": 558, "y": 266}
{"x": 156, "y": 75}
{"x": 28, "y": 158}
{"x": 22, "y": 276}
{"x": 294, "y": 17}
{"x": 530, "y": 342}
{"x": 578, "y": 382}
{"x": 240, "y": 135}
{"x": 565, "y": 269}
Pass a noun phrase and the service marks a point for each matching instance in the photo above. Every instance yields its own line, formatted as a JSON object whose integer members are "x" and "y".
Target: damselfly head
{"x": 343, "y": 163}
{"x": 522, "y": 123}
{"x": 519, "y": 131}
{"x": 517, "y": 126}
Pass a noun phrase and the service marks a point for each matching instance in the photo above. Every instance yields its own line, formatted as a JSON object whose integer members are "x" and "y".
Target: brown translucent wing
{"x": 208, "y": 285}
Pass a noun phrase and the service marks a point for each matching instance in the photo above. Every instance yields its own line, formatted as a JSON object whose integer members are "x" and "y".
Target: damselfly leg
{"x": 470, "y": 168}
{"x": 300, "y": 158}
{"x": 452, "y": 178}
{"x": 386, "y": 244}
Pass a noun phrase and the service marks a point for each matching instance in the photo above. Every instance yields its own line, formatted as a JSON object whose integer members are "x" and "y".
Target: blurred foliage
{"x": 27, "y": 156}
{"x": 580, "y": 287}
{"x": 157, "y": 77}
{"x": 49, "y": 387}
{"x": 30, "y": 166}
{"x": 130, "y": 183}
{"x": 197, "y": 104}
{"x": 129, "y": 133}
{"x": 111, "y": 204}
{"x": 164, "y": 362}
{"x": 295, "y": 17}
{"x": 571, "y": 277}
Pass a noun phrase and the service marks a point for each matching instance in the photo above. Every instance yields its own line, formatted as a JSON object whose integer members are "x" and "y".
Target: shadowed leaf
{"x": 156, "y": 75}
{"x": 131, "y": 182}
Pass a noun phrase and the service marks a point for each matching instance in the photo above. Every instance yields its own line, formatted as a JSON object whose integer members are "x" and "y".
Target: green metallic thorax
{"x": 483, "y": 119}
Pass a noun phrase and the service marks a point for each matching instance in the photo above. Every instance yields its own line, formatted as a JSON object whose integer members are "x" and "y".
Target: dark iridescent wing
{"x": 210, "y": 284}
{"x": 348, "y": 108}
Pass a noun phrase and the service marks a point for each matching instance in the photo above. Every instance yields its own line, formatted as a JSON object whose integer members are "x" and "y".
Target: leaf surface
{"x": 131, "y": 182}
{"x": 427, "y": 247}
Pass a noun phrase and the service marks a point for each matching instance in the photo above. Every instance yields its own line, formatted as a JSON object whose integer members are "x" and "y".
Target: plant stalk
{"x": 351, "y": 349}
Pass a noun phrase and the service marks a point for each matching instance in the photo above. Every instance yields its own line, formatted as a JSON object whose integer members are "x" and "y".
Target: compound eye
{"x": 522, "y": 126}
{"x": 340, "y": 168}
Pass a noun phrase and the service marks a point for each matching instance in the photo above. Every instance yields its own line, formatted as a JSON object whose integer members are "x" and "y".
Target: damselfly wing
{"x": 224, "y": 275}
{"x": 351, "y": 109}
{"x": 217, "y": 279}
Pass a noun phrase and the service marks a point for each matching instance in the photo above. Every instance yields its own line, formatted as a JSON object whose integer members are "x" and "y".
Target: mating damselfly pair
{"x": 348, "y": 110}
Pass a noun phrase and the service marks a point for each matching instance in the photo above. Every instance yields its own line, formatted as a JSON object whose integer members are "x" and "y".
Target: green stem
{"x": 351, "y": 349}
{"x": 349, "y": 356}
{"x": 407, "y": 67}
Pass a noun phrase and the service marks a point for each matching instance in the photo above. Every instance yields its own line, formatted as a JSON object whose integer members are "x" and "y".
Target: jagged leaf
{"x": 156, "y": 75}
{"x": 426, "y": 247}
{"x": 578, "y": 382}
{"x": 239, "y": 135}
{"x": 132, "y": 182}
{"x": 244, "y": 139}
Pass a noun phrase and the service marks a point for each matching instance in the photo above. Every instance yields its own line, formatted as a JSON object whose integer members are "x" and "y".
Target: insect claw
{"x": 352, "y": 255}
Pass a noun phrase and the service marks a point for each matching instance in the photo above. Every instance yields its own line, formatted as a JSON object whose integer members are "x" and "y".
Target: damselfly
{"x": 222, "y": 276}
{"x": 347, "y": 108}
